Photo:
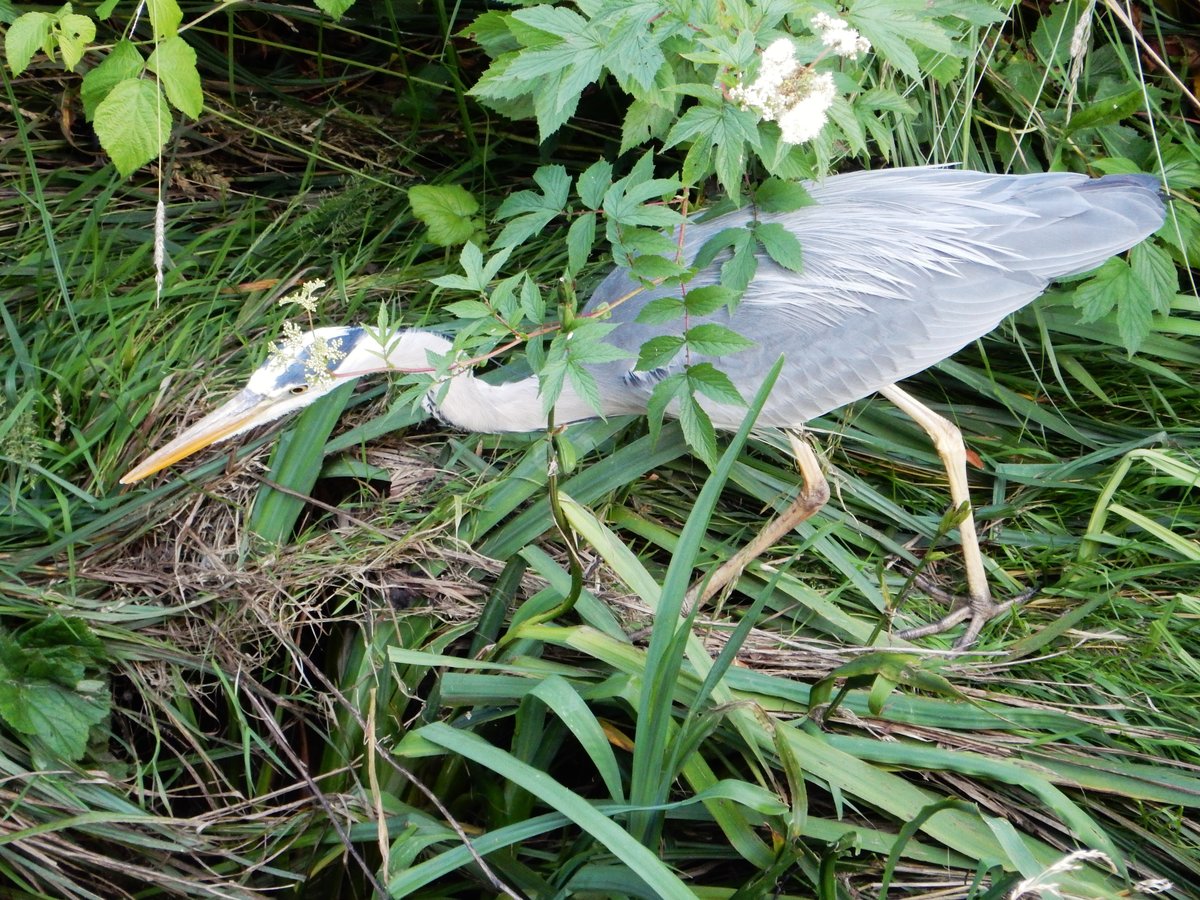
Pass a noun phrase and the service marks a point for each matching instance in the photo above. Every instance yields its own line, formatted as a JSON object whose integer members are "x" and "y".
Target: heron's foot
{"x": 976, "y": 611}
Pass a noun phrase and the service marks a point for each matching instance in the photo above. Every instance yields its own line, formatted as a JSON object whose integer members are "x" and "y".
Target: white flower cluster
{"x": 787, "y": 92}
{"x": 838, "y": 36}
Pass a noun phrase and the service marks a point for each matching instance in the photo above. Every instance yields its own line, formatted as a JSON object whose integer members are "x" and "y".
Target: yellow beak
{"x": 244, "y": 410}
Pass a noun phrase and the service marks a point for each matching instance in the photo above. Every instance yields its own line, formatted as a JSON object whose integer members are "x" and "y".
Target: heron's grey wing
{"x": 901, "y": 269}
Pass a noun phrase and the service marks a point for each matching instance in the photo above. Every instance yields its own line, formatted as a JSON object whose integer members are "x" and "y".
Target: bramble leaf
{"x": 24, "y": 38}
{"x": 174, "y": 62}
{"x": 124, "y": 62}
{"x": 133, "y": 123}
{"x": 447, "y": 211}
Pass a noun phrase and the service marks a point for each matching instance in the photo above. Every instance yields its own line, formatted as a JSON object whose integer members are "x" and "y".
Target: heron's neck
{"x": 473, "y": 405}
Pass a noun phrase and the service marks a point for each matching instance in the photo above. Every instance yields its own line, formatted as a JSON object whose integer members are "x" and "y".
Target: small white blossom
{"x": 806, "y": 117}
{"x": 838, "y": 36}
{"x": 767, "y": 93}
{"x": 305, "y": 296}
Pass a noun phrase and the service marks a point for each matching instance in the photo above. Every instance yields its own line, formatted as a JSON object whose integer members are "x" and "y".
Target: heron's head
{"x": 303, "y": 368}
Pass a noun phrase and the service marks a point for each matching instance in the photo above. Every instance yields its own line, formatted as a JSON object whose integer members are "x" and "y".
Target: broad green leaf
{"x": 123, "y": 63}
{"x": 704, "y": 301}
{"x": 777, "y": 195}
{"x": 165, "y": 16}
{"x": 781, "y": 245}
{"x": 593, "y": 182}
{"x": 60, "y": 717}
{"x": 891, "y": 25}
{"x": 580, "y": 238}
{"x": 1107, "y": 112}
{"x": 659, "y": 351}
{"x": 661, "y": 310}
{"x": 174, "y": 62}
{"x": 133, "y": 123}
{"x": 714, "y": 384}
{"x": 447, "y": 211}
{"x": 74, "y": 33}
{"x": 1155, "y": 272}
{"x": 24, "y": 38}
{"x": 711, "y": 339}
{"x": 469, "y": 309}
{"x": 1115, "y": 285}
{"x": 698, "y": 429}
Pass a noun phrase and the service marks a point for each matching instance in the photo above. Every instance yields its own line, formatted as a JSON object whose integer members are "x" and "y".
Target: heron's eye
{"x": 300, "y": 389}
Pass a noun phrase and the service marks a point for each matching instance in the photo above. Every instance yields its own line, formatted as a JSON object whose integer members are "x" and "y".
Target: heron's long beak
{"x": 244, "y": 410}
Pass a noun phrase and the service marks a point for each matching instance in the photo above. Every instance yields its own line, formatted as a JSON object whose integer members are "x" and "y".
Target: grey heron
{"x": 902, "y": 268}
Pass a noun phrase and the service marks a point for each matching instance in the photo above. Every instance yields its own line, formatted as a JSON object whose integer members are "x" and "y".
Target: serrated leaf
{"x": 1155, "y": 273}
{"x": 660, "y": 310}
{"x": 124, "y": 62}
{"x": 174, "y": 62}
{"x": 592, "y": 184}
{"x": 658, "y": 351}
{"x": 714, "y": 384}
{"x": 660, "y": 399}
{"x": 580, "y": 238}
{"x": 447, "y": 211}
{"x": 738, "y": 271}
{"x": 60, "y": 717}
{"x": 1097, "y": 296}
{"x": 165, "y": 16}
{"x": 24, "y": 38}
{"x": 133, "y": 123}
{"x": 777, "y": 195}
{"x": 74, "y": 33}
{"x": 781, "y": 245}
{"x": 469, "y": 309}
{"x": 711, "y": 339}
{"x": 1107, "y": 111}
{"x": 698, "y": 429}
{"x": 533, "y": 304}
{"x": 655, "y": 268}
{"x": 704, "y": 301}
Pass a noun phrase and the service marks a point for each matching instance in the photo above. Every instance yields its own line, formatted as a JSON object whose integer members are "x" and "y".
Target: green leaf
{"x": 580, "y": 238}
{"x": 530, "y": 211}
{"x": 24, "y": 38}
{"x": 1107, "y": 112}
{"x": 74, "y": 33}
{"x": 711, "y": 339}
{"x": 335, "y": 9}
{"x": 123, "y": 63}
{"x": 704, "y": 301}
{"x": 698, "y": 429}
{"x": 726, "y": 127}
{"x": 469, "y": 309}
{"x": 781, "y": 245}
{"x": 60, "y": 717}
{"x": 777, "y": 195}
{"x": 533, "y": 304}
{"x": 1116, "y": 285}
{"x": 714, "y": 384}
{"x": 1097, "y": 296}
{"x": 592, "y": 184}
{"x": 447, "y": 211}
{"x": 174, "y": 62}
{"x": 1155, "y": 273}
{"x": 133, "y": 123}
{"x": 661, "y": 310}
{"x": 165, "y": 16}
{"x": 658, "y": 351}
{"x": 664, "y": 392}
{"x": 891, "y": 25}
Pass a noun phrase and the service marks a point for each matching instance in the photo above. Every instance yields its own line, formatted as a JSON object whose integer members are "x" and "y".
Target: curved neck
{"x": 463, "y": 400}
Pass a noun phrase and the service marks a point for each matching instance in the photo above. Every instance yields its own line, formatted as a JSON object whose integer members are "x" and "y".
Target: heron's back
{"x": 901, "y": 269}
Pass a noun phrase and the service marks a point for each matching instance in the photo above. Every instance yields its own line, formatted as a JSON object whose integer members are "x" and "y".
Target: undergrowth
{"x": 379, "y": 701}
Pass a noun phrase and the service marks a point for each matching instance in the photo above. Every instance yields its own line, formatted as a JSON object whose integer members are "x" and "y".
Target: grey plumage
{"x": 902, "y": 268}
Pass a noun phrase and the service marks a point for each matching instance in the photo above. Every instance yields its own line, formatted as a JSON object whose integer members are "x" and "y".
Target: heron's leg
{"x": 947, "y": 439}
{"x": 814, "y": 493}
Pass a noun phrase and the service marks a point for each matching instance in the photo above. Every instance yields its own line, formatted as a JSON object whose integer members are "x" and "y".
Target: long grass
{"x": 330, "y": 661}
